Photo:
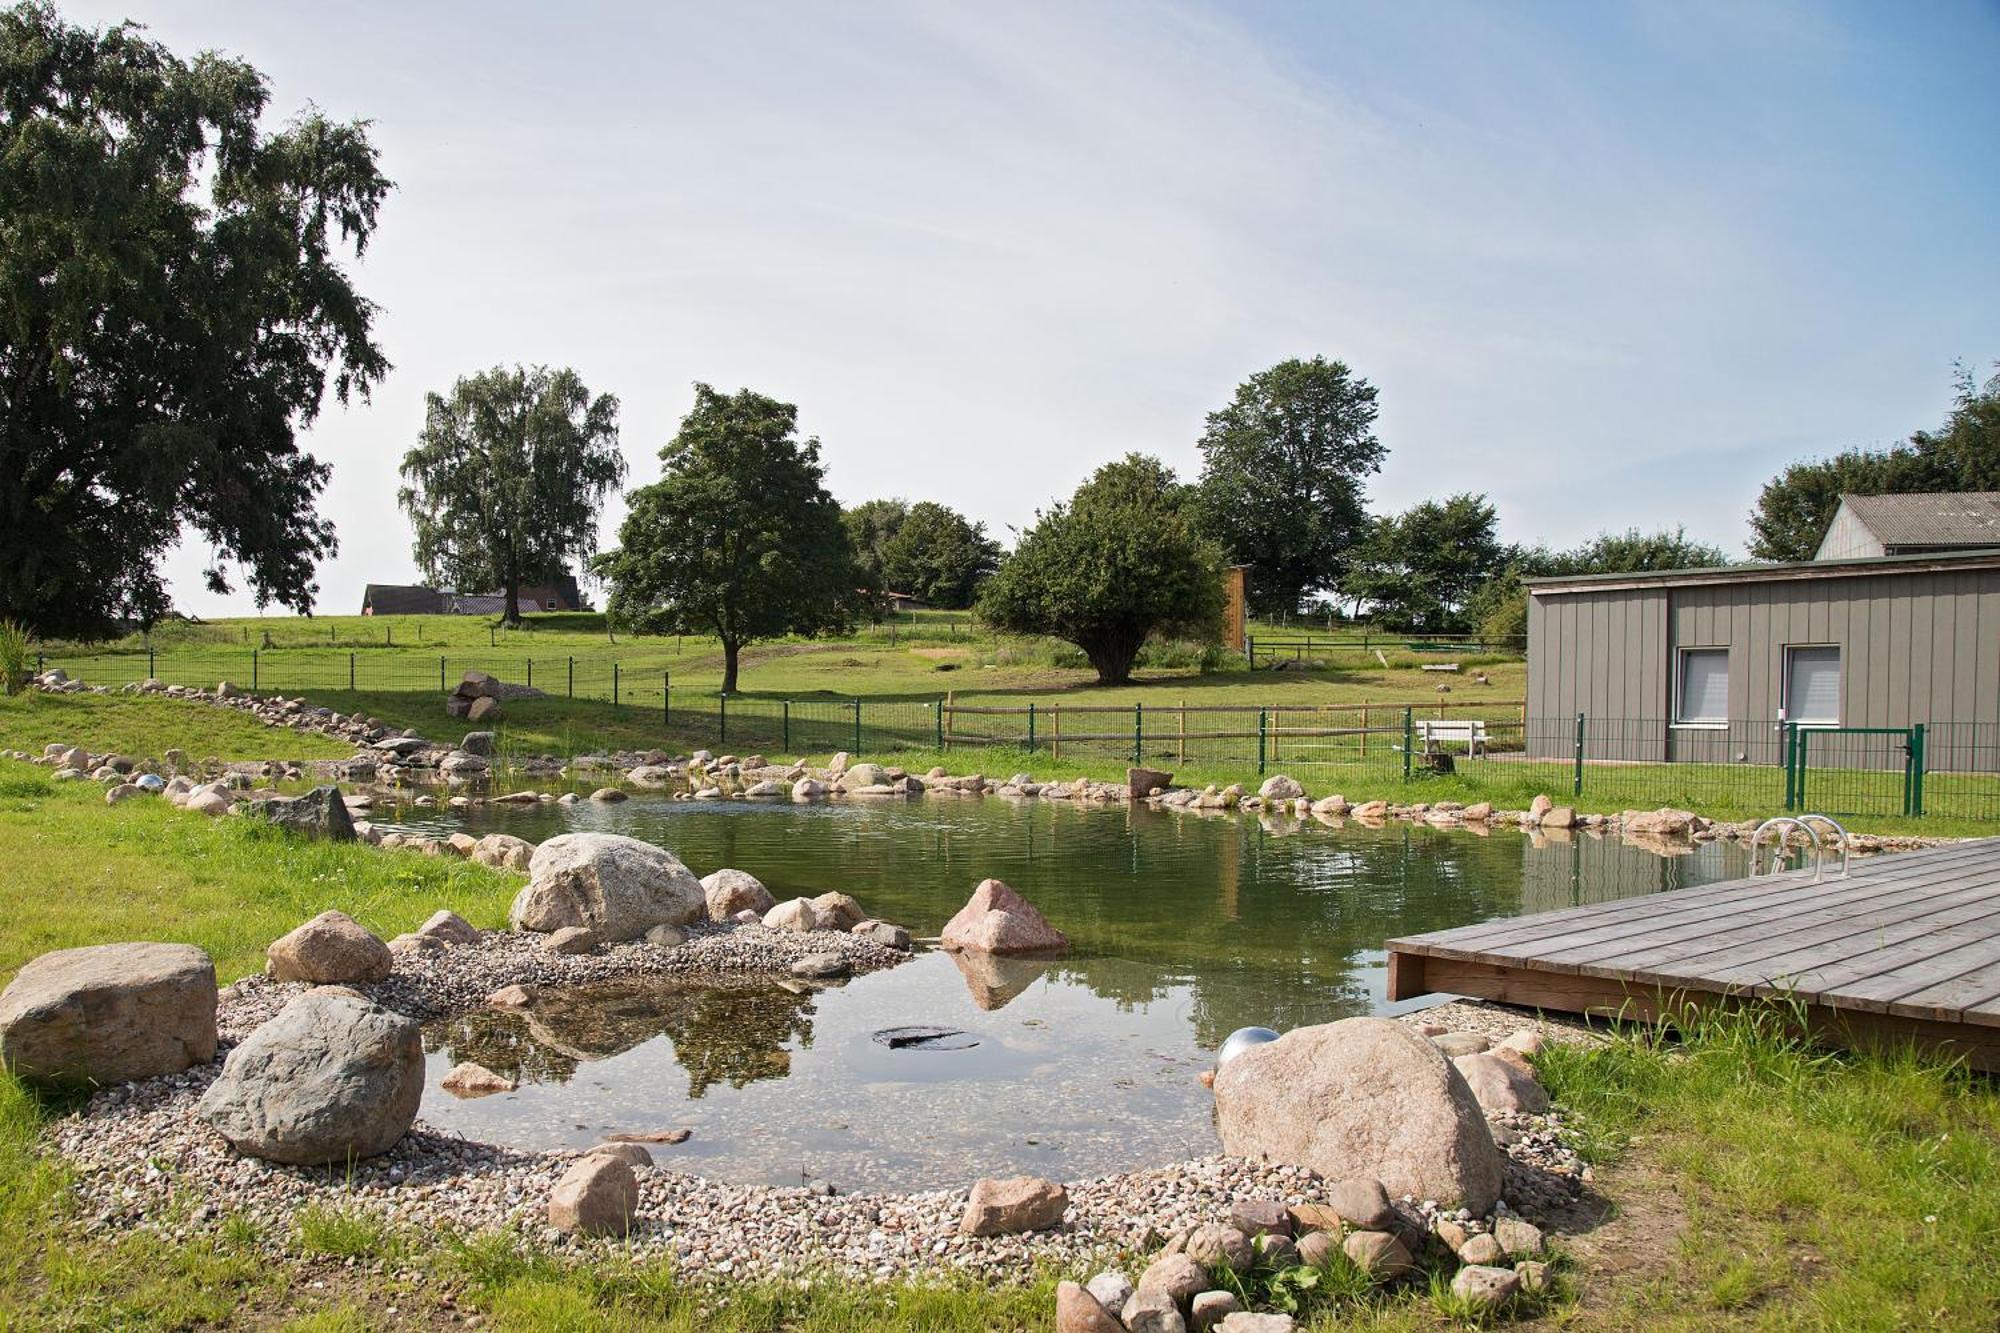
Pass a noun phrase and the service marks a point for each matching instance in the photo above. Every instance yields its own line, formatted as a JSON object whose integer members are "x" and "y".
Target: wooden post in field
{"x": 1055, "y": 732}
{"x": 949, "y": 695}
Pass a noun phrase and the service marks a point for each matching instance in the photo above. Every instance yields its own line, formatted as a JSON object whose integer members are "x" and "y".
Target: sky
{"x": 1612, "y": 265}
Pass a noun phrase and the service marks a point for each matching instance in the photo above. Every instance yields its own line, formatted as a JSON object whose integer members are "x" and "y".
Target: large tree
{"x": 173, "y": 306}
{"x": 1796, "y": 507}
{"x": 1282, "y": 472}
{"x": 1420, "y": 569}
{"x": 939, "y": 555}
{"x": 1500, "y": 606}
{"x": 1119, "y": 562}
{"x": 739, "y": 538}
{"x": 871, "y": 526}
{"x": 507, "y": 477}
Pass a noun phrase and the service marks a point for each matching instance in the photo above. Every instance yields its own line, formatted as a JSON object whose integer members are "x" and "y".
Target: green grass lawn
{"x": 146, "y": 727}
{"x": 1757, "y": 1184}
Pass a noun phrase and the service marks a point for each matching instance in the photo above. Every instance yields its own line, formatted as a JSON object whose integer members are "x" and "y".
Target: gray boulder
{"x": 1361, "y": 1097}
{"x": 479, "y": 743}
{"x": 109, "y": 1013}
{"x": 616, "y": 887}
{"x": 320, "y": 813}
{"x": 331, "y": 1078}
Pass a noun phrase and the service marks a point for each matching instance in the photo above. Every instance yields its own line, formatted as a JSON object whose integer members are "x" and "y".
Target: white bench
{"x": 1469, "y": 732}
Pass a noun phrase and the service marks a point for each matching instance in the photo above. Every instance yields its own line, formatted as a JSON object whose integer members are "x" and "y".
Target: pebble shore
{"x": 144, "y": 1160}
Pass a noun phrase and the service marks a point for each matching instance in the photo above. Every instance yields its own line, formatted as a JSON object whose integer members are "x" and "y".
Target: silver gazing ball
{"x": 1240, "y": 1041}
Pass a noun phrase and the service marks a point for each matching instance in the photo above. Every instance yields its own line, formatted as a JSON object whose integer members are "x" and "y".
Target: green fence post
{"x": 1263, "y": 737}
{"x": 1799, "y": 762}
{"x": 531, "y": 673}
{"x": 1250, "y": 650}
{"x": 253, "y": 670}
{"x": 937, "y": 715}
{"x": 1788, "y": 748}
{"x": 441, "y": 685}
{"x": 150, "y": 672}
{"x": 787, "y": 746}
{"x": 722, "y": 730}
{"x": 1138, "y": 733}
{"x": 614, "y": 685}
{"x": 666, "y": 698}
{"x": 1919, "y": 743}
{"x": 1576, "y": 783}
{"x": 572, "y": 678}
{"x": 1031, "y": 726}
{"x": 350, "y": 673}
{"x": 1409, "y": 738}
{"x": 857, "y": 728}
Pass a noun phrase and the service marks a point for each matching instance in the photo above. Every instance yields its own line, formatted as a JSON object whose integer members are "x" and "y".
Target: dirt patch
{"x": 1634, "y": 1237}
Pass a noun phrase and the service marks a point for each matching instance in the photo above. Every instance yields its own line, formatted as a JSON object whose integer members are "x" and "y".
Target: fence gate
{"x": 1854, "y": 770}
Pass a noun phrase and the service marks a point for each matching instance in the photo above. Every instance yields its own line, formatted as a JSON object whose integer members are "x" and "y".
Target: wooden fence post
{"x": 1055, "y": 732}
{"x": 1181, "y": 752}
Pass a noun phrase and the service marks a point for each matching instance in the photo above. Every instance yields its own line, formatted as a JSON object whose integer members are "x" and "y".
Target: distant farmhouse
{"x": 1866, "y": 525}
{"x": 1896, "y": 623}
{"x": 401, "y": 599}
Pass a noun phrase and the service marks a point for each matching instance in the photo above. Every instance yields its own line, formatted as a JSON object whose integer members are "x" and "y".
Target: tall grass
{"x": 17, "y": 657}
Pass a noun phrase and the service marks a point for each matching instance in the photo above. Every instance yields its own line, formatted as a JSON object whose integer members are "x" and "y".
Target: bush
{"x": 17, "y": 658}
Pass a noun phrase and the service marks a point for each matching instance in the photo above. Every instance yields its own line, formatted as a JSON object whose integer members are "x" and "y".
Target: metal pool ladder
{"x": 1804, "y": 823}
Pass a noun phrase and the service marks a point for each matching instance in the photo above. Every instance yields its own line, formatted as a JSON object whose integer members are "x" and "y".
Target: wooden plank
{"x": 1974, "y": 996}
{"x": 1851, "y": 923}
{"x": 1978, "y": 1046}
{"x": 1819, "y": 975}
{"x": 1950, "y": 954}
{"x": 1788, "y": 900}
{"x": 1829, "y": 901}
{"x": 1491, "y": 933}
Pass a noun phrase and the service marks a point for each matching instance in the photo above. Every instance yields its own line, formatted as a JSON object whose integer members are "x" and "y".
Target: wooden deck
{"x": 1906, "y": 947}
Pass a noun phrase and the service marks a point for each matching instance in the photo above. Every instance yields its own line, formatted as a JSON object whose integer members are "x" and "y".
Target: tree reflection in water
{"x": 733, "y": 1031}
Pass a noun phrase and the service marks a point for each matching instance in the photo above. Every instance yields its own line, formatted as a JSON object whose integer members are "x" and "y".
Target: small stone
{"x": 1378, "y": 1254}
{"x": 884, "y": 933}
{"x": 331, "y": 949}
{"x": 475, "y": 1080}
{"x": 837, "y": 911}
{"x": 1077, "y": 1311}
{"x": 1006, "y": 1207}
{"x": 1210, "y": 1308}
{"x": 820, "y": 967}
{"x": 1154, "y": 1310}
{"x": 1481, "y": 1250}
{"x": 795, "y": 914}
{"x": 1275, "y": 1251}
{"x": 1520, "y": 1238}
{"x": 1245, "y": 1322}
{"x": 511, "y": 997}
{"x": 1501, "y": 1086}
{"x": 1179, "y": 1276}
{"x": 1460, "y": 1043}
{"x": 1112, "y": 1289}
{"x": 1361, "y": 1202}
{"x": 1220, "y": 1246}
{"x": 1316, "y": 1247}
{"x": 632, "y": 1154}
{"x": 1451, "y": 1233}
{"x": 1256, "y": 1217}
{"x": 1485, "y": 1288}
{"x": 666, "y": 937}
{"x": 598, "y": 1197}
{"x": 449, "y": 928}
{"x": 571, "y": 940}
{"x": 1534, "y": 1276}
{"x": 608, "y": 796}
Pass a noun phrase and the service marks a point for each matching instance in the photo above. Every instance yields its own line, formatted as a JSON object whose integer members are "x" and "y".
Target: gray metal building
{"x": 1702, "y": 664}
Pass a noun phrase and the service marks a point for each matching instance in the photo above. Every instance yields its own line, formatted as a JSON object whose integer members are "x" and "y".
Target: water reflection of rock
{"x": 994, "y": 979}
{"x": 733, "y": 1032}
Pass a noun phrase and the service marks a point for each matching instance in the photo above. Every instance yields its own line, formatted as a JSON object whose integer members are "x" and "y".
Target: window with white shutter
{"x": 1704, "y": 682}
{"x": 1812, "y": 685}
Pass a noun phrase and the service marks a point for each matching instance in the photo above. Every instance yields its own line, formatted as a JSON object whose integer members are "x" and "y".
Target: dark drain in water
{"x": 926, "y": 1039}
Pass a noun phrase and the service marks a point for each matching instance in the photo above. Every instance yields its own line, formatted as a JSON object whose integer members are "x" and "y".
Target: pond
{"x": 1183, "y": 928}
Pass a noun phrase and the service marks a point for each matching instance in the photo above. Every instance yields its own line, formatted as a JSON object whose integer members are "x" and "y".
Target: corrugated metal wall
{"x": 1920, "y": 646}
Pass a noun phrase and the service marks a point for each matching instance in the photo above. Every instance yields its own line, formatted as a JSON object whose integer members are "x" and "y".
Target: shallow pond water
{"x": 1183, "y": 929}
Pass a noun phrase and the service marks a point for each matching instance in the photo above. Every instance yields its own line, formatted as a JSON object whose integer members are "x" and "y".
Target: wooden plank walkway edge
{"x": 1904, "y": 949}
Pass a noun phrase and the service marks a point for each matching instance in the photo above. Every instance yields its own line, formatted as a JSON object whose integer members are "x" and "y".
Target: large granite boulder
{"x": 109, "y": 1013}
{"x": 331, "y": 949}
{"x": 732, "y": 891}
{"x": 320, "y": 813}
{"x": 598, "y": 1196}
{"x": 1361, "y": 1097}
{"x": 331, "y": 1078}
{"x": 617, "y": 888}
{"x": 998, "y": 920}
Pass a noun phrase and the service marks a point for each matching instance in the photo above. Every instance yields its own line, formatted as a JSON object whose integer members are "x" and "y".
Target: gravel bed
{"x": 143, "y": 1159}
